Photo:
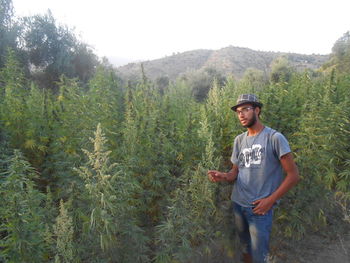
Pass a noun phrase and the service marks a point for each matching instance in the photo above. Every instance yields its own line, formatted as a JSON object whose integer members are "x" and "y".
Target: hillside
{"x": 228, "y": 61}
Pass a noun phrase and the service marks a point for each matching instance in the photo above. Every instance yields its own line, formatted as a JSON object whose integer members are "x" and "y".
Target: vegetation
{"x": 92, "y": 171}
{"x": 229, "y": 61}
{"x": 45, "y": 49}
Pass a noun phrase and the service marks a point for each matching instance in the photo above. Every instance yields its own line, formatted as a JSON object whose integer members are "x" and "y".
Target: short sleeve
{"x": 280, "y": 144}
{"x": 236, "y": 149}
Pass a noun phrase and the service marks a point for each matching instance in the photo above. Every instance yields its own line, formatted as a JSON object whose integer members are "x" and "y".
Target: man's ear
{"x": 258, "y": 111}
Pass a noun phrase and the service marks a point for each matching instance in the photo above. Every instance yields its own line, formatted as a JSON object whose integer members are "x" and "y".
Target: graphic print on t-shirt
{"x": 251, "y": 157}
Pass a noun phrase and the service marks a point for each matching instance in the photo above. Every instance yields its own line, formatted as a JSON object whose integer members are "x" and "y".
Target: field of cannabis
{"x": 112, "y": 173}
{"x": 99, "y": 169}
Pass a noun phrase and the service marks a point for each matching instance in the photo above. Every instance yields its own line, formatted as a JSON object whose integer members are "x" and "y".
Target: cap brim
{"x": 258, "y": 104}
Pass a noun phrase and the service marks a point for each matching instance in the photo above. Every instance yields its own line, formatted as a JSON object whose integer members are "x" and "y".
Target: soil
{"x": 315, "y": 248}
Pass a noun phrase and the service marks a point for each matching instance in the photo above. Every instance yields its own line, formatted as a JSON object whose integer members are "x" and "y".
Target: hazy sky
{"x": 150, "y": 29}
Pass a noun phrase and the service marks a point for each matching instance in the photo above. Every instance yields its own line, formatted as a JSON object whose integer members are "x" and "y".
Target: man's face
{"x": 247, "y": 115}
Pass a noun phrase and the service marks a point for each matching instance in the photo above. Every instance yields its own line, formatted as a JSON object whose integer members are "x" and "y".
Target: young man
{"x": 258, "y": 159}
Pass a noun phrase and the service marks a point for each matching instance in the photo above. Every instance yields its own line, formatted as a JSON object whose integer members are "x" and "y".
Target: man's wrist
{"x": 230, "y": 176}
{"x": 272, "y": 198}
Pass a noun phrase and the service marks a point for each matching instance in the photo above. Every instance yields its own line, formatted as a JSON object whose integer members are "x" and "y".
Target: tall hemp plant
{"x": 39, "y": 132}
{"x": 75, "y": 112}
{"x": 181, "y": 114}
{"x": 324, "y": 129}
{"x": 190, "y": 222}
{"x": 63, "y": 231}
{"x": 13, "y": 91}
{"x": 21, "y": 214}
{"x": 289, "y": 221}
{"x": 147, "y": 149}
{"x": 111, "y": 226}
{"x": 319, "y": 145}
{"x": 193, "y": 223}
{"x": 69, "y": 132}
{"x": 106, "y": 106}
{"x": 282, "y": 104}
{"x": 221, "y": 119}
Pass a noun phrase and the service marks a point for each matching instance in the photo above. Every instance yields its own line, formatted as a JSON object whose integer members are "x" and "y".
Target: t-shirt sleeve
{"x": 280, "y": 145}
{"x": 235, "y": 150}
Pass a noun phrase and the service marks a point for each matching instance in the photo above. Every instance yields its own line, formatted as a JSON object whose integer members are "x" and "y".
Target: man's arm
{"x": 264, "y": 205}
{"x": 216, "y": 176}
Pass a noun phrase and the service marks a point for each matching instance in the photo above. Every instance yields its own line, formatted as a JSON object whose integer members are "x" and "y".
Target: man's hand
{"x": 262, "y": 206}
{"x": 216, "y": 176}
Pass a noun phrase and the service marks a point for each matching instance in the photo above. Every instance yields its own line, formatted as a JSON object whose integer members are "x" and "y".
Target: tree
{"x": 6, "y": 13}
{"x": 340, "y": 57}
{"x": 8, "y": 29}
{"x": 162, "y": 83}
{"x": 255, "y": 79}
{"x": 85, "y": 62}
{"x": 281, "y": 70}
{"x": 202, "y": 80}
{"x": 54, "y": 50}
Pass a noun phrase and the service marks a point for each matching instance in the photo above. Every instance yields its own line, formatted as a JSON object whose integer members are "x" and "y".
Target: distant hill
{"x": 228, "y": 61}
{"x": 119, "y": 61}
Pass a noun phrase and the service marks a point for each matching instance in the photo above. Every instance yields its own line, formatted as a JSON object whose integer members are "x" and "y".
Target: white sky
{"x": 150, "y": 29}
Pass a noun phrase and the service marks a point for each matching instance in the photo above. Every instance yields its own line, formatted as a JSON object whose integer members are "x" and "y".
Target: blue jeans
{"x": 254, "y": 232}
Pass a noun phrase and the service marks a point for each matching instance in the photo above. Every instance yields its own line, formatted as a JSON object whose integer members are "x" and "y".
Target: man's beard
{"x": 251, "y": 122}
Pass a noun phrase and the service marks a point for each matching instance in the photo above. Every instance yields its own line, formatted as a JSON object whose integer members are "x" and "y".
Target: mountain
{"x": 227, "y": 61}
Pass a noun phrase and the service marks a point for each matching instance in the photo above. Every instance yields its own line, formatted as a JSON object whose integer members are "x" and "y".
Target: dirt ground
{"x": 315, "y": 248}
{"x": 331, "y": 244}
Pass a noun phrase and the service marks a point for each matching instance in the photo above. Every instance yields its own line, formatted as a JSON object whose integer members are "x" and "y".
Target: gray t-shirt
{"x": 259, "y": 169}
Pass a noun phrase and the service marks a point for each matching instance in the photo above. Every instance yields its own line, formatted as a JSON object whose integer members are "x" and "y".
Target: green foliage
{"x": 54, "y": 50}
{"x": 201, "y": 81}
{"x": 45, "y": 49}
{"x": 218, "y": 114}
{"x": 24, "y": 112}
{"x": 111, "y": 207}
{"x": 13, "y": 93}
{"x": 192, "y": 218}
{"x": 9, "y": 30}
{"x": 282, "y": 99}
{"x": 39, "y": 124}
{"x": 162, "y": 83}
{"x": 148, "y": 148}
{"x": 254, "y": 79}
{"x": 322, "y": 129}
{"x": 141, "y": 191}
{"x": 63, "y": 231}
{"x": 340, "y": 57}
{"x": 106, "y": 106}
{"x": 6, "y": 12}
{"x": 21, "y": 215}
{"x": 281, "y": 70}
{"x": 197, "y": 216}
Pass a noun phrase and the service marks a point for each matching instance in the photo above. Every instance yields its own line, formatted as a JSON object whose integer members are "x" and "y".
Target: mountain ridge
{"x": 227, "y": 61}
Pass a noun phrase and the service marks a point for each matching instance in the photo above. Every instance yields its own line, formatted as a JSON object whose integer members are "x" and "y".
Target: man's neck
{"x": 255, "y": 129}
